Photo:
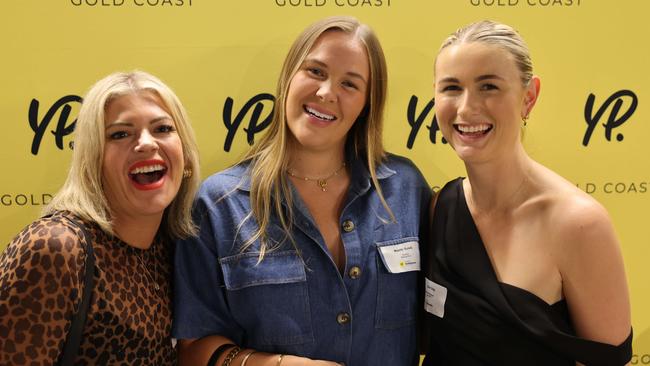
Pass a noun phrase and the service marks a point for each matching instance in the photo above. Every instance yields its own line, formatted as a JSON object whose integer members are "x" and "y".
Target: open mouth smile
{"x": 473, "y": 130}
{"x": 148, "y": 174}
{"x": 319, "y": 115}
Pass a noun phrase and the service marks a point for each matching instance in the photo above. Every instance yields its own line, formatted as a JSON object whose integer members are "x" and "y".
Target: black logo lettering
{"x": 613, "y": 120}
{"x": 62, "y": 128}
{"x": 253, "y": 124}
{"x": 416, "y": 122}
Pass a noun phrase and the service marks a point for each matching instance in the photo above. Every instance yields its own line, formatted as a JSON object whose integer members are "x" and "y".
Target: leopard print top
{"x": 41, "y": 282}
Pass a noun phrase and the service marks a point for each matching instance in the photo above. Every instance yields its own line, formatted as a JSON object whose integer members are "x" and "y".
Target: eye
{"x": 166, "y": 128}
{"x": 450, "y": 88}
{"x": 117, "y": 135}
{"x": 315, "y": 71}
{"x": 489, "y": 86}
{"x": 349, "y": 84}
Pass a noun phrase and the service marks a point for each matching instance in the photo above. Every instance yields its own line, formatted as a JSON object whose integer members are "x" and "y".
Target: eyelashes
{"x": 458, "y": 88}
{"x": 321, "y": 75}
{"x": 160, "y": 129}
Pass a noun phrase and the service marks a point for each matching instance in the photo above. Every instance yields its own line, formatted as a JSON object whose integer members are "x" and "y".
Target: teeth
{"x": 320, "y": 115}
{"x": 473, "y": 128}
{"x": 147, "y": 169}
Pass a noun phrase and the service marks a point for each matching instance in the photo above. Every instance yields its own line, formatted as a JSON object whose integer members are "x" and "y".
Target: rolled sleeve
{"x": 200, "y": 304}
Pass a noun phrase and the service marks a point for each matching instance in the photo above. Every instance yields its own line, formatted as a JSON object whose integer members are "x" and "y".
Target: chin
{"x": 156, "y": 206}
{"x": 312, "y": 142}
{"x": 468, "y": 155}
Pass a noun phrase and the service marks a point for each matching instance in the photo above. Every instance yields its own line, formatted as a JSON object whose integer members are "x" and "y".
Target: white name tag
{"x": 400, "y": 258}
{"x": 435, "y": 297}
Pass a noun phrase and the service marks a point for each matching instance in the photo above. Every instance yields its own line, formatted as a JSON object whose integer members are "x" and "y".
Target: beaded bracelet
{"x": 231, "y": 356}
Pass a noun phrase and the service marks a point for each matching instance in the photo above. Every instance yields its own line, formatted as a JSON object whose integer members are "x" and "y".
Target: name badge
{"x": 435, "y": 297}
{"x": 400, "y": 258}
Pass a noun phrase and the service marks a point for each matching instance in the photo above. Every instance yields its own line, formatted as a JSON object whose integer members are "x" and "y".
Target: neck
{"x": 315, "y": 164}
{"x": 137, "y": 232}
{"x": 499, "y": 186}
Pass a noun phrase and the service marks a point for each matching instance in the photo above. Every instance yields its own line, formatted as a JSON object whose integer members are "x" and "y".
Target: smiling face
{"x": 480, "y": 100}
{"x": 143, "y": 157}
{"x": 328, "y": 92}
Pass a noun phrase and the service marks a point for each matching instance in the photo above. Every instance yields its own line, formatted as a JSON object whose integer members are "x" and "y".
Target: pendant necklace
{"x": 321, "y": 182}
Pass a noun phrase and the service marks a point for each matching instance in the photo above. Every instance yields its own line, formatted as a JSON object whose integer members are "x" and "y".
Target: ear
{"x": 532, "y": 93}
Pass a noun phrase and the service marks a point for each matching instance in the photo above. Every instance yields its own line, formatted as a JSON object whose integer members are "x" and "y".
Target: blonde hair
{"x": 497, "y": 34}
{"x": 270, "y": 156}
{"x": 83, "y": 193}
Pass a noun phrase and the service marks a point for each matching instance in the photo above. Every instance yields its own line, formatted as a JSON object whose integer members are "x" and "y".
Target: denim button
{"x": 354, "y": 272}
{"x": 348, "y": 226}
{"x": 343, "y": 318}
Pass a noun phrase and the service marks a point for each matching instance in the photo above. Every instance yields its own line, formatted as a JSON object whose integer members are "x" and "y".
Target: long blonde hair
{"x": 83, "y": 193}
{"x": 270, "y": 156}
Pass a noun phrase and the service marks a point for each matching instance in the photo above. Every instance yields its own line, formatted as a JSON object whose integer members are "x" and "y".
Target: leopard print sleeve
{"x": 40, "y": 287}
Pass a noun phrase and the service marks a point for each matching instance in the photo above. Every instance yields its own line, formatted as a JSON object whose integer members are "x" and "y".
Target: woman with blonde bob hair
{"x": 90, "y": 281}
{"x": 523, "y": 267}
{"x": 298, "y": 257}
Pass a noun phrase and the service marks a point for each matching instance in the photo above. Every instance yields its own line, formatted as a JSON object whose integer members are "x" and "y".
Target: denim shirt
{"x": 302, "y": 305}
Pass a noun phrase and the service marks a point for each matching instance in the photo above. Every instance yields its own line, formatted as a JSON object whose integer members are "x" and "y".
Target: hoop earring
{"x": 187, "y": 173}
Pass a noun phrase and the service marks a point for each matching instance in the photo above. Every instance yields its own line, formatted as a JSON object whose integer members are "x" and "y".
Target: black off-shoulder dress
{"x": 473, "y": 319}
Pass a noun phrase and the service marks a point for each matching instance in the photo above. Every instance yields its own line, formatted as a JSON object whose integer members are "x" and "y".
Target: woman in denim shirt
{"x": 326, "y": 273}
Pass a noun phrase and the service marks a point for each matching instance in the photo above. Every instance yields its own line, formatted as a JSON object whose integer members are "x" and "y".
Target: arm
{"x": 204, "y": 320}
{"x": 39, "y": 273}
{"x": 426, "y": 226}
{"x": 593, "y": 275}
{"x": 198, "y": 352}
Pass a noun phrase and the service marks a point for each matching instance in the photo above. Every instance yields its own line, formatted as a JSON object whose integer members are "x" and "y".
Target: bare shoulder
{"x": 590, "y": 262}
{"x": 575, "y": 219}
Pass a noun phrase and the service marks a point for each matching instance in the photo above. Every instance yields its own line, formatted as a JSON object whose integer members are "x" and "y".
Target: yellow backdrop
{"x": 591, "y": 55}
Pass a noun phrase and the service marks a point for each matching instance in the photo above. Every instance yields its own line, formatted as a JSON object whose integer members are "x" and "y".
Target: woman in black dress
{"x": 523, "y": 268}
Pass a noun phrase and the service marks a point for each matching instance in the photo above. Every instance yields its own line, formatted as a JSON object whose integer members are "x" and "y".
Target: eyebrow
{"x": 349, "y": 73}
{"x": 488, "y": 77}
{"x": 129, "y": 124}
{"x": 477, "y": 79}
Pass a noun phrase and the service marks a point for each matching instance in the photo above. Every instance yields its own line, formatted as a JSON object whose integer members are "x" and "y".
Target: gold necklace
{"x": 153, "y": 278}
{"x": 321, "y": 182}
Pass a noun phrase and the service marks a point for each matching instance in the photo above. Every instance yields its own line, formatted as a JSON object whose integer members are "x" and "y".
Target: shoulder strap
{"x": 71, "y": 347}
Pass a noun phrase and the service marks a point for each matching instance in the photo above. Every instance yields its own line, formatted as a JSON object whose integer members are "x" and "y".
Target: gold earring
{"x": 187, "y": 173}
{"x": 525, "y": 120}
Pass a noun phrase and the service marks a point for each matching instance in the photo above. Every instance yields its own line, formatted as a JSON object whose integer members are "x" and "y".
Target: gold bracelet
{"x": 279, "y": 360}
{"x": 231, "y": 356}
{"x": 243, "y": 362}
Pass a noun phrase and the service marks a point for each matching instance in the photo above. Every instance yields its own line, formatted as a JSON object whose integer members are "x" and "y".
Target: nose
{"x": 326, "y": 91}
{"x": 146, "y": 142}
{"x": 468, "y": 104}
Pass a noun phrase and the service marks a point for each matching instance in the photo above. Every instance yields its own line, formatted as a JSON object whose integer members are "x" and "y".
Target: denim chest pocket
{"x": 269, "y": 300}
{"x": 397, "y": 282}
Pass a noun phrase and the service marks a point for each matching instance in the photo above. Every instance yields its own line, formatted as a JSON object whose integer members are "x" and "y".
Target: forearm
{"x": 197, "y": 352}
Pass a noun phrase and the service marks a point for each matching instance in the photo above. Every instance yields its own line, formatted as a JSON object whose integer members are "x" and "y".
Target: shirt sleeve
{"x": 40, "y": 284}
{"x": 200, "y": 301}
